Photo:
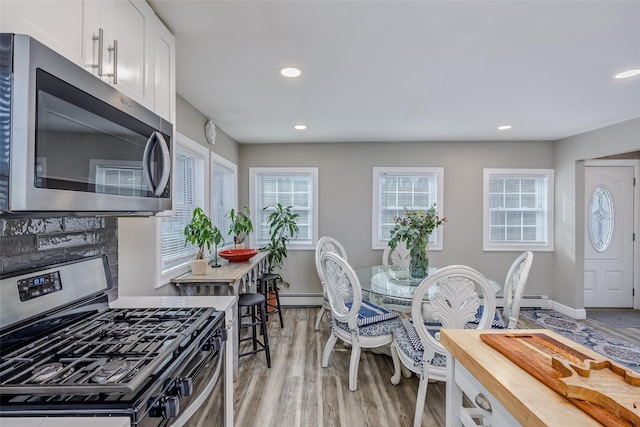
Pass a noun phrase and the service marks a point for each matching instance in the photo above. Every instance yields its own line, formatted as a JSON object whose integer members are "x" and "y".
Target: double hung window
{"x": 396, "y": 189}
{"x": 296, "y": 187}
{"x": 518, "y": 209}
{"x": 191, "y": 187}
{"x": 223, "y": 194}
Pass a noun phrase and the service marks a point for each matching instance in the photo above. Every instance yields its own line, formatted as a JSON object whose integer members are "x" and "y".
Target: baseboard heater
{"x": 530, "y": 301}
{"x": 310, "y": 300}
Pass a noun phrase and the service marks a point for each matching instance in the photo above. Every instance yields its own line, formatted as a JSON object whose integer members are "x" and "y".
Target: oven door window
{"x": 84, "y": 144}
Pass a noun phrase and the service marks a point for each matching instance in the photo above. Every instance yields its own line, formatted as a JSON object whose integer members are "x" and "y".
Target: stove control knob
{"x": 184, "y": 386}
{"x": 170, "y": 406}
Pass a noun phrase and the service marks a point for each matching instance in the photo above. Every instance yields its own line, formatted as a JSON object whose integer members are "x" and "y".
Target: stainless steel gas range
{"x": 65, "y": 353}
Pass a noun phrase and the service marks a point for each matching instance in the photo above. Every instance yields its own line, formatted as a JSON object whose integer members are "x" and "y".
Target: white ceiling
{"x": 406, "y": 70}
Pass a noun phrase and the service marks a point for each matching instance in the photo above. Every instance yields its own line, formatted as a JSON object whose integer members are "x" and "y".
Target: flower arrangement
{"x": 414, "y": 229}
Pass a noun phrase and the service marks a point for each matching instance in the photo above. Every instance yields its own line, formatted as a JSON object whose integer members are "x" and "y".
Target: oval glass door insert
{"x": 601, "y": 219}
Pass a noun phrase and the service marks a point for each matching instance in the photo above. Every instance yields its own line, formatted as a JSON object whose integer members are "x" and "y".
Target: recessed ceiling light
{"x": 300, "y": 127}
{"x": 290, "y": 71}
{"x": 505, "y": 127}
{"x": 628, "y": 73}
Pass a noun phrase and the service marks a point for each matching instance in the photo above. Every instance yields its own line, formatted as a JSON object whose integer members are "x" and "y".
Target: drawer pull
{"x": 483, "y": 402}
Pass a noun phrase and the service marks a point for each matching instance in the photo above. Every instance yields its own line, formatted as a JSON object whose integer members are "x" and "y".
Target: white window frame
{"x": 162, "y": 278}
{"x": 378, "y": 241}
{"x": 216, "y": 158}
{"x": 312, "y": 172}
{"x": 542, "y": 246}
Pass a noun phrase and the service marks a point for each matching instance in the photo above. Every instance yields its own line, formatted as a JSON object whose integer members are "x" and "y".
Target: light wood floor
{"x": 298, "y": 392}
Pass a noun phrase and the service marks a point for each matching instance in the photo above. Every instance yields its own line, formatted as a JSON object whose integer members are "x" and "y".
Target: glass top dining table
{"x": 394, "y": 282}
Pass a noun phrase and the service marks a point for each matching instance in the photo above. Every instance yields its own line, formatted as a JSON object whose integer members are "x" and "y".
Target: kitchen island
{"x": 515, "y": 397}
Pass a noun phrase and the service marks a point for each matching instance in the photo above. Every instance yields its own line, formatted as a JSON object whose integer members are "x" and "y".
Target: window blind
{"x": 189, "y": 193}
{"x": 223, "y": 198}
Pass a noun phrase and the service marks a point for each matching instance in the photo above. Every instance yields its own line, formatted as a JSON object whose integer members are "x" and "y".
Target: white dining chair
{"x": 454, "y": 304}
{"x": 514, "y": 285}
{"x": 398, "y": 257}
{"x": 359, "y": 323}
{"x": 324, "y": 245}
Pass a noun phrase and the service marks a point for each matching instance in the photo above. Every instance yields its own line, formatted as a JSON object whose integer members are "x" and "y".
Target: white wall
{"x": 569, "y": 155}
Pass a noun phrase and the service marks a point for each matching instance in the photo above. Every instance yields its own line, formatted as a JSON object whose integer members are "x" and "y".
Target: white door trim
{"x": 636, "y": 217}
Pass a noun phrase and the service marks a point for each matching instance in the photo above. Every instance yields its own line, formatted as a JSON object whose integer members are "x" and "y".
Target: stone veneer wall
{"x": 35, "y": 242}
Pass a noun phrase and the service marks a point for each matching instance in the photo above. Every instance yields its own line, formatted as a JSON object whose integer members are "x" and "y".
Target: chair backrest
{"x": 399, "y": 257}
{"x": 514, "y": 288}
{"x": 454, "y": 303}
{"x": 327, "y": 244}
{"x": 342, "y": 286}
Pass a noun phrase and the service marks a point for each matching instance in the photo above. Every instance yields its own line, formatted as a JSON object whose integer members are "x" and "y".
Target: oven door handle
{"x": 156, "y": 137}
{"x": 197, "y": 401}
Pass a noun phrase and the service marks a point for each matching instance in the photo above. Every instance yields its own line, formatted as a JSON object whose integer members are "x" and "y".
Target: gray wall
{"x": 345, "y": 199}
{"x": 35, "y": 242}
{"x": 138, "y": 235}
{"x": 569, "y": 155}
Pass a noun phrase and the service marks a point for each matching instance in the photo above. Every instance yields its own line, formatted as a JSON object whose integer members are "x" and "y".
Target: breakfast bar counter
{"x": 239, "y": 277}
{"x": 512, "y": 395}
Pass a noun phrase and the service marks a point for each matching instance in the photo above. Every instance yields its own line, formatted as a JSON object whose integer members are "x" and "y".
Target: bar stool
{"x": 268, "y": 284}
{"x": 256, "y": 309}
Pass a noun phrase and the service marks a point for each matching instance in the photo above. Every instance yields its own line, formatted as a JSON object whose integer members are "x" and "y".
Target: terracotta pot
{"x": 199, "y": 266}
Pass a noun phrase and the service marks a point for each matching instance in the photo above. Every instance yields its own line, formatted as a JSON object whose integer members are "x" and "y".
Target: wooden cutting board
{"x": 605, "y": 390}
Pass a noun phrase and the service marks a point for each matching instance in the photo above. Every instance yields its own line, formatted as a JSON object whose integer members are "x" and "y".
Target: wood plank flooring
{"x": 298, "y": 392}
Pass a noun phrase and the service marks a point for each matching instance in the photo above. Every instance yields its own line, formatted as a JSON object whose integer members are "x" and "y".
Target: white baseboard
{"x": 574, "y": 313}
{"x": 530, "y": 301}
{"x": 301, "y": 300}
{"x": 310, "y": 300}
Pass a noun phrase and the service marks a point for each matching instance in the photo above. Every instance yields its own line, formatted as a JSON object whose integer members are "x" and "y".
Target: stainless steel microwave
{"x": 71, "y": 144}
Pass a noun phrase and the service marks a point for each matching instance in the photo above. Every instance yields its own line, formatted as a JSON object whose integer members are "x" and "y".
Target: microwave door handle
{"x": 166, "y": 164}
{"x": 146, "y": 163}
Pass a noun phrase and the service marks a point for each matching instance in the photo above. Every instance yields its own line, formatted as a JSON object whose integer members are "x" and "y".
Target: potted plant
{"x": 283, "y": 225}
{"x": 201, "y": 232}
{"x": 240, "y": 227}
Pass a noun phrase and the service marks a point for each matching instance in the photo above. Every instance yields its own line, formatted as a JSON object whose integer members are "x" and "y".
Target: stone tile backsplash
{"x": 34, "y": 242}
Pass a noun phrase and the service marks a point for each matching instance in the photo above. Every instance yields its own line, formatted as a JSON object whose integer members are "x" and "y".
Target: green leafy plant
{"x": 414, "y": 229}
{"x": 201, "y": 232}
{"x": 241, "y": 224}
{"x": 415, "y": 226}
{"x": 283, "y": 225}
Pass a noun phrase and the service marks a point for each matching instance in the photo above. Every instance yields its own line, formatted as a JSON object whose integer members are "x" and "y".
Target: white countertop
{"x": 219, "y": 303}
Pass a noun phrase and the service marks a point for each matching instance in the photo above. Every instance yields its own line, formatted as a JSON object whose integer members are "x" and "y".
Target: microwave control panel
{"x": 37, "y": 286}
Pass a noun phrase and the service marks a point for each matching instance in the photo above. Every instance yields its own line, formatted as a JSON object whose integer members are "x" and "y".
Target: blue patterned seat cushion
{"x": 370, "y": 313}
{"x": 385, "y": 327}
{"x": 497, "y": 322}
{"x": 409, "y": 342}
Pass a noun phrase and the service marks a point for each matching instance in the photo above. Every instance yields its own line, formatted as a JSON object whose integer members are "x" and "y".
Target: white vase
{"x": 199, "y": 266}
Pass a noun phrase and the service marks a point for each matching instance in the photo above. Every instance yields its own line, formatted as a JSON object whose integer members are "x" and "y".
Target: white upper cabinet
{"x": 57, "y": 24}
{"x": 117, "y": 34}
{"x": 123, "y": 42}
{"x": 164, "y": 73}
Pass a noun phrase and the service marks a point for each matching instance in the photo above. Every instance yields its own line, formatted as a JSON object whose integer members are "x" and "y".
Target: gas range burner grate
{"x": 114, "y": 351}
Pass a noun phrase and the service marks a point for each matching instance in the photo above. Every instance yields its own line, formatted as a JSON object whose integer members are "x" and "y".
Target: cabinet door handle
{"x": 483, "y": 402}
{"x": 100, "y": 39}
{"x": 114, "y": 49}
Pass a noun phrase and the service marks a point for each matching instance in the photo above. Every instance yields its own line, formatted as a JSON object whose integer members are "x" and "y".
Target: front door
{"x": 608, "y": 257}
